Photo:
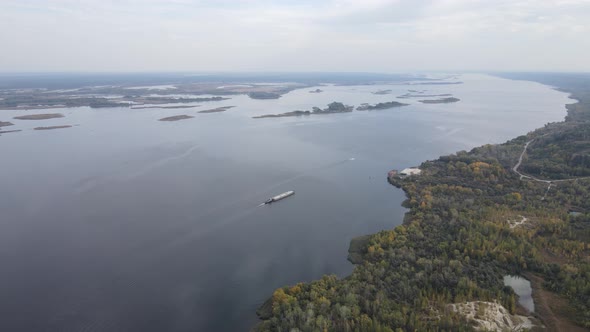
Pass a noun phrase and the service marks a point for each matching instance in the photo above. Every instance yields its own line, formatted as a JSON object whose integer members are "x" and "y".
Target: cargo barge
{"x": 279, "y": 197}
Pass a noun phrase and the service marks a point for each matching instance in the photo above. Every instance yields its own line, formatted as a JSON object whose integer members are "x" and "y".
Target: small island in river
{"x": 380, "y": 106}
{"x": 164, "y": 107}
{"x": 52, "y": 127}
{"x": 177, "y": 118}
{"x": 421, "y": 95}
{"x": 316, "y": 91}
{"x": 382, "y": 92}
{"x": 334, "y": 107}
{"x": 447, "y": 100}
{"x": 217, "y": 110}
{"x": 6, "y": 124}
{"x": 264, "y": 95}
{"x": 282, "y": 115}
{"x": 39, "y": 116}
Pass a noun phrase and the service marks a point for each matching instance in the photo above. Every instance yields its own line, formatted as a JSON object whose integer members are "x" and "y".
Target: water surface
{"x": 522, "y": 288}
{"x": 125, "y": 223}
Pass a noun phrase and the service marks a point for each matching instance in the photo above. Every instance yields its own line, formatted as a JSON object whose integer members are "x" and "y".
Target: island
{"x": 447, "y": 100}
{"x": 164, "y": 107}
{"x": 39, "y": 116}
{"x": 169, "y": 100}
{"x": 422, "y": 95}
{"x": 52, "y": 127}
{"x": 474, "y": 219}
{"x": 264, "y": 95}
{"x": 380, "y": 106}
{"x": 104, "y": 96}
{"x": 177, "y": 118}
{"x": 6, "y": 124}
{"x": 382, "y": 92}
{"x": 316, "y": 91}
{"x": 434, "y": 83}
{"x": 217, "y": 110}
{"x": 287, "y": 114}
{"x": 334, "y": 107}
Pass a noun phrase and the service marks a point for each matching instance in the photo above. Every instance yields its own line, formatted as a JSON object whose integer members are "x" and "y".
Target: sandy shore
{"x": 217, "y": 110}
{"x": 177, "y": 118}
{"x": 39, "y": 116}
{"x": 52, "y": 127}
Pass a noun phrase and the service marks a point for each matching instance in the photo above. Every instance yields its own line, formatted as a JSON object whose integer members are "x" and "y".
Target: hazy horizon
{"x": 390, "y": 36}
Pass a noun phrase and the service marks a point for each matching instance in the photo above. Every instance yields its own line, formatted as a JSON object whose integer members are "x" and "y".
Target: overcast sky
{"x": 290, "y": 35}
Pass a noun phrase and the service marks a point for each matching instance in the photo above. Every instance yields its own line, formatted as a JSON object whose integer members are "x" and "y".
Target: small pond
{"x": 522, "y": 288}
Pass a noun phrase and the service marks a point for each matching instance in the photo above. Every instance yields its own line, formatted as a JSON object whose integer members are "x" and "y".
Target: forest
{"x": 458, "y": 240}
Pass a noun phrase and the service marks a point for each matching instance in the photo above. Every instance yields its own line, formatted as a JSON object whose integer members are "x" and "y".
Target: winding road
{"x": 549, "y": 182}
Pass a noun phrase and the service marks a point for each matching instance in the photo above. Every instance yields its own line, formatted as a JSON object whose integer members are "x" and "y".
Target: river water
{"x": 126, "y": 223}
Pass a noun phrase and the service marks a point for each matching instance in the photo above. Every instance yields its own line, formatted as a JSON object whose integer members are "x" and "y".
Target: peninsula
{"x": 443, "y": 268}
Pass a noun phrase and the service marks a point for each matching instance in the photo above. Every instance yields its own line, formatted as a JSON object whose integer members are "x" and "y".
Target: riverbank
{"x": 455, "y": 245}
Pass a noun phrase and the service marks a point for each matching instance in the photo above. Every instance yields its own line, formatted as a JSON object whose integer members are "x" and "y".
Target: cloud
{"x": 334, "y": 35}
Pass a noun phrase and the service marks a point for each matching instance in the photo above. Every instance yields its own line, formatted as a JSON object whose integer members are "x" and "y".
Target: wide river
{"x": 126, "y": 223}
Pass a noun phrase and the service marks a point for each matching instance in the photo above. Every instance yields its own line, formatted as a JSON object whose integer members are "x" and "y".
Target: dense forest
{"x": 462, "y": 235}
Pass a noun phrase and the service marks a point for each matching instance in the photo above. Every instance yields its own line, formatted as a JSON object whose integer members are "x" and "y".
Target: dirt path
{"x": 551, "y": 308}
{"x": 532, "y": 178}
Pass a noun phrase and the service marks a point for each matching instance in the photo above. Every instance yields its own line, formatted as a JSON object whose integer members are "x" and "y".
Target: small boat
{"x": 279, "y": 197}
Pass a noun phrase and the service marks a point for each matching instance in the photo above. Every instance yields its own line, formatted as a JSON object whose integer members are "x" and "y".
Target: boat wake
{"x": 124, "y": 175}
{"x": 302, "y": 174}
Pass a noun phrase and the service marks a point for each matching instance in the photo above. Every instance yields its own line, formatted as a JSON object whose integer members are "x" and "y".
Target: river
{"x": 126, "y": 223}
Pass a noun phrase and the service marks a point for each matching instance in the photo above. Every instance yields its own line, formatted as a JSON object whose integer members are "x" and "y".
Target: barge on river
{"x": 279, "y": 197}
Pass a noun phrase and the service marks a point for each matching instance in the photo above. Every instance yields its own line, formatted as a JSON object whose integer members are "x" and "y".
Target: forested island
{"x": 459, "y": 240}
{"x": 380, "y": 106}
{"x": 334, "y": 107}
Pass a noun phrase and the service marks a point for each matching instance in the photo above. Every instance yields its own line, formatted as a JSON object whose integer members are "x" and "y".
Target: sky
{"x": 290, "y": 35}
